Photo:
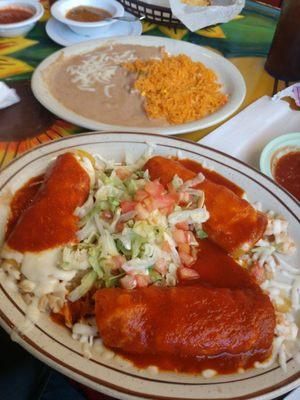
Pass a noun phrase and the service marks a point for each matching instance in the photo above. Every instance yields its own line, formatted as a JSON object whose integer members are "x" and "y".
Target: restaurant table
{"x": 245, "y": 41}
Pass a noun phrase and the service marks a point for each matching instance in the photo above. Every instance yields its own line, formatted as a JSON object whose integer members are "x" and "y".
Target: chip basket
{"x": 153, "y": 13}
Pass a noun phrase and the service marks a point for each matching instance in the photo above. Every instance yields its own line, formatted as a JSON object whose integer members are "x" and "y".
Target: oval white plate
{"x": 61, "y": 34}
{"x": 53, "y": 344}
{"x": 228, "y": 75}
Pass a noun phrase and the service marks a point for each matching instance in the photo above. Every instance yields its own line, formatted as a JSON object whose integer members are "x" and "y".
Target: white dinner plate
{"x": 228, "y": 75}
{"x": 54, "y": 345}
{"x": 62, "y": 34}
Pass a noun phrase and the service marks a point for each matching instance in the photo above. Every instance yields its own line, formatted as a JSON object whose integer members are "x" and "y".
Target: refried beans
{"x": 95, "y": 86}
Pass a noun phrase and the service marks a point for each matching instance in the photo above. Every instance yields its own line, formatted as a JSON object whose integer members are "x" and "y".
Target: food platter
{"x": 227, "y": 74}
{"x": 111, "y": 375}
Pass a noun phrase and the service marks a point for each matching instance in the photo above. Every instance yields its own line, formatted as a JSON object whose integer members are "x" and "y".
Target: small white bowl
{"x": 275, "y": 149}
{"x": 22, "y": 27}
{"x": 60, "y": 9}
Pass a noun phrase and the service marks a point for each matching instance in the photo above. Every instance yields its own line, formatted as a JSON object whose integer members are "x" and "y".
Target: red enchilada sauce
{"x": 222, "y": 364}
{"x": 51, "y": 222}
{"x": 22, "y": 199}
{"x": 216, "y": 269}
{"x": 212, "y": 176}
{"x": 12, "y": 15}
{"x": 287, "y": 172}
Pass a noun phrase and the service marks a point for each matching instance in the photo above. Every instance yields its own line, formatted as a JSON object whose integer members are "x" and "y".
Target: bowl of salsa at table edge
{"x": 86, "y": 17}
{"x": 280, "y": 160}
{"x": 18, "y": 17}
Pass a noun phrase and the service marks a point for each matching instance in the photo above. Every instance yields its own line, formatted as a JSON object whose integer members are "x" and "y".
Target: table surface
{"x": 244, "y": 40}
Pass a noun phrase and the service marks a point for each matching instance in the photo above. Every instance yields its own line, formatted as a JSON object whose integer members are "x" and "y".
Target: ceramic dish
{"x": 62, "y": 35}
{"x": 52, "y": 343}
{"x": 60, "y": 8}
{"x": 23, "y": 27}
{"x": 228, "y": 75}
{"x": 276, "y": 149}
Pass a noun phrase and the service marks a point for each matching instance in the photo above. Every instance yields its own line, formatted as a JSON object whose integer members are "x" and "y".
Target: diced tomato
{"x": 184, "y": 248}
{"x": 163, "y": 201}
{"x": 186, "y": 258}
{"x": 148, "y": 202}
{"x": 182, "y": 225}
{"x": 165, "y": 211}
{"x": 171, "y": 188}
{"x": 128, "y": 282}
{"x": 161, "y": 266}
{"x": 190, "y": 237}
{"x": 166, "y": 247}
{"x": 194, "y": 251}
{"x": 187, "y": 273}
{"x": 123, "y": 173}
{"x": 258, "y": 273}
{"x": 142, "y": 280}
{"x": 179, "y": 235}
{"x": 127, "y": 206}
{"x": 118, "y": 261}
{"x": 120, "y": 227}
{"x": 107, "y": 214}
{"x": 142, "y": 213}
{"x": 140, "y": 195}
{"x": 154, "y": 188}
{"x": 184, "y": 198}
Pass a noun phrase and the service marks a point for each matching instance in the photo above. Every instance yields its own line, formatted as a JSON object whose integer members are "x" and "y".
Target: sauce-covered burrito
{"x": 187, "y": 321}
{"x": 39, "y": 229}
{"x": 233, "y": 224}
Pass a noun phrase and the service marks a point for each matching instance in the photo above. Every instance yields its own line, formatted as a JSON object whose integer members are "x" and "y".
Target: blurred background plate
{"x": 228, "y": 75}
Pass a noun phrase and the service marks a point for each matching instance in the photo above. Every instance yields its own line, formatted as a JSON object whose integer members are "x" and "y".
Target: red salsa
{"x": 287, "y": 172}
{"x": 11, "y": 15}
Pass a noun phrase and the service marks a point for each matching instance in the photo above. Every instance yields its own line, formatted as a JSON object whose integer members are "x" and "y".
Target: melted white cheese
{"x": 42, "y": 266}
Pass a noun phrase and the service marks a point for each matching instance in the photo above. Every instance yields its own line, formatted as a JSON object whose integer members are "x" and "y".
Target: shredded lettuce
{"x": 108, "y": 245}
{"x": 137, "y": 242}
{"x": 147, "y": 231}
{"x": 104, "y": 253}
{"x": 198, "y": 215}
{"x": 154, "y": 276}
{"x": 87, "y": 282}
{"x": 132, "y": 186}
{"x": 85, "y": 232}
{"x": 113, "y": 203}
{"x": 201, "y": 234}
{"x": 151, "y": 254}
{"x": 177, "y": 182}
{"x": 74, "y": 259}
{"x": 112, "y": 281}
{"x": 93, "y": 258}
{"x": 122, "y": 249}
{"x": 86, "y": 207}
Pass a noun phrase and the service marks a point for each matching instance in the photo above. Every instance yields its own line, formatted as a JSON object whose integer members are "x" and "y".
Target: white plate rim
{"x": 43, "y": 95}
{"x": 5, "y": 321}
